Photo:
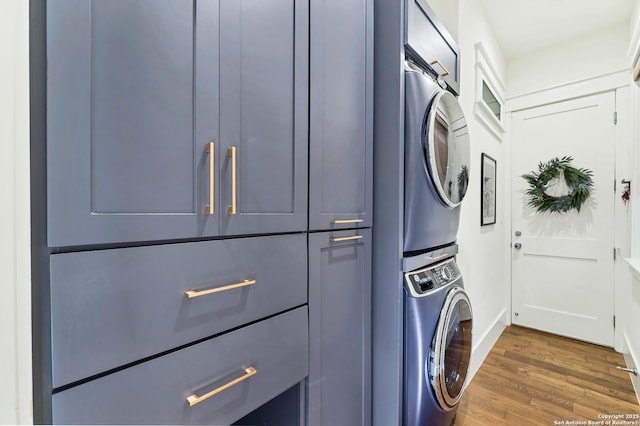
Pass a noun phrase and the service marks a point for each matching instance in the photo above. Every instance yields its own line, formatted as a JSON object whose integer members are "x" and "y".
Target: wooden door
{"x": 263, "y": 116}
{"x": 563, "y": 262}
{"x": 130, "y": 111}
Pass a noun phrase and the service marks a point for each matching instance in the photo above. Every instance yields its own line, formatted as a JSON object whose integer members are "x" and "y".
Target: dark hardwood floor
{"x": 535, "y": 378}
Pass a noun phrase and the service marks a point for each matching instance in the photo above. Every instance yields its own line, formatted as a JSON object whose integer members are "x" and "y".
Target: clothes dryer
{"x": 436, "y": 160}
{"x": 437, "y": 344}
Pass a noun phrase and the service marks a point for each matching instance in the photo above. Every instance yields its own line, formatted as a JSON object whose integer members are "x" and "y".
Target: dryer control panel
{"x": 425, "y": 280}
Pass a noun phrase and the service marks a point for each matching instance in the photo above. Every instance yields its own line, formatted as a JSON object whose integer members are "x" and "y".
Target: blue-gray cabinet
{"x": 110, "y": 308}
{"x": 428, "y": 42}
{"x": 341, "y": 114}
{"x": 339, "y": 383}
{"x": 176, "y": 206}
{"x": 216, "y": 382}
{"x": 191, "y": 145}
{"x": 175, "y": 119}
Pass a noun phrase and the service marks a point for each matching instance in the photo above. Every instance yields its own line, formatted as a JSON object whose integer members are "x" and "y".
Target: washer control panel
{"x": 422, "y": 281}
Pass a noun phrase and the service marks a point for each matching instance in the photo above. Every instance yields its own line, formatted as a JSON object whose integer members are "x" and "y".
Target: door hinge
{"x": 615, "y": 117}
{"x": 615, "y": 185}
{"x": 614, "y": 321}
{"x": 614, "y": 254}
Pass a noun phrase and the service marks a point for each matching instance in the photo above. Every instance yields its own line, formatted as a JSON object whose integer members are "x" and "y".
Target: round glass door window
{"x": 445, "y": 142}
{"x": 452, "y": 349}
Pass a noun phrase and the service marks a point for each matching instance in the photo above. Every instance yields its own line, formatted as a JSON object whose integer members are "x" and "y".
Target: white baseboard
{"x": 483, "y": 345}
{"x": 631, "y": 359}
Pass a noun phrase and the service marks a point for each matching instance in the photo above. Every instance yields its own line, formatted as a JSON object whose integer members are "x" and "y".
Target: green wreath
{"x": 579, "y": 181}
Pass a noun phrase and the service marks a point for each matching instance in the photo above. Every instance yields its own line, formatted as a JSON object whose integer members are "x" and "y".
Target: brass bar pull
{"x": 337, "y": 239}
{"x": 231, "y": 152}
{"x": 195, "y": 399}
{"x": 211, "y": 149}
{"x": 340, "y": 221}
{"x": 440, "y": 256}
{"x": 193, "y": 293}
{"x": 437, "y": 62}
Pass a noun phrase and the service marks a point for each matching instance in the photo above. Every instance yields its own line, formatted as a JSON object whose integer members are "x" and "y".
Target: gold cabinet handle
{"x": 231, "y": 152}
{"x": 440, "y": 256}
{"x": 340, "y": 221}
{"x": 195, "y": 399}
{"x": 446, "y": 71}
{"x": 337, "y": 239}
{"x": 211, "y": 149}
{"x": 193, "y": 293}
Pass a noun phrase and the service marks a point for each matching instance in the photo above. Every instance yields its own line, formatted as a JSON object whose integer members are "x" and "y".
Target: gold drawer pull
{"x": 446, "y": 71}
{"x": 440, "y": 256}
{"x": 231, "y": 152}
{"x": 193, "y": 293}
{"x": 337, "y": 239}
{"x": 339, "y": 221}
{"x": 195, "y": 399}
{"x": 210, "y": 148}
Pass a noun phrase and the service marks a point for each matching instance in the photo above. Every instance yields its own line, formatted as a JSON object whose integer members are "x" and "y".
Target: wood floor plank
{"x": 550, "y": 384}
{"x": 587, "y": 372}
{"x": 488, "y": 401}
{"x": 622, "y": 393}
{"x": 535, "y": 378}
{"x": 532, "y": 388}
{"x": 474, "y": 415}
{"x": 516, "y": 366}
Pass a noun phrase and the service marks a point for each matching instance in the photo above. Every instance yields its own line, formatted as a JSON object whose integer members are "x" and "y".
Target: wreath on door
{"x": 579, "y": 182}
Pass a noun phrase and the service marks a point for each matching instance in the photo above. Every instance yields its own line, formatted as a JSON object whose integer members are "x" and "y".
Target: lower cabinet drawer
{"x": 247, "y": 367}
{"x": 113, "y": 307}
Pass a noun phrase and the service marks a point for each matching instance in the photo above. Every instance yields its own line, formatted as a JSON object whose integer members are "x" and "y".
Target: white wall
{"x": 585, "y": 57}
{"x": 482, "y": 249}
{"x": 631, "y": 288}
{"x": 15, "y": 312}
{"x": 632, "y": 52}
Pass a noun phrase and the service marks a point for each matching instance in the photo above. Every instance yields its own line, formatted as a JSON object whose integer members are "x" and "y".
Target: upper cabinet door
{"x": 341, "y": 111}
{"x": 130, "y": 112}
{"x": 429, "y": 43}
{"x": 263, "y": 116}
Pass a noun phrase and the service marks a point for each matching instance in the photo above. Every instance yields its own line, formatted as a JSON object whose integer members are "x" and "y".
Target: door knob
{"x": 517, "y": 246}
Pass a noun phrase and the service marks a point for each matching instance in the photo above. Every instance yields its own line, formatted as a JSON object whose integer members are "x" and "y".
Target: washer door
{"x": 451, "y": 349}
{"x": 445, "y": 142}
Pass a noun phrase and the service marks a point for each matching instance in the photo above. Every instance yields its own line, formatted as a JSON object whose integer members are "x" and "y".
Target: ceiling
{"x": 522, "y": 26}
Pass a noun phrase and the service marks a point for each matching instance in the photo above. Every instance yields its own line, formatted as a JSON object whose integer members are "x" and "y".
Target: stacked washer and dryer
{"x": 437, "y": 311}
{"x": 422, "y": 319}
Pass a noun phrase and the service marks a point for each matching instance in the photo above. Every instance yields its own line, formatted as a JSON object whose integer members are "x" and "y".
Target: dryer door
{"x": 451, "y": 349}
{"x": 445, "y": 142}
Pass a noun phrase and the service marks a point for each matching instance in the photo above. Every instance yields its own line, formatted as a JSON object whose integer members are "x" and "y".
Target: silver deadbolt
{"x": 518, "y": 233}
{"x": 517, "y": 246}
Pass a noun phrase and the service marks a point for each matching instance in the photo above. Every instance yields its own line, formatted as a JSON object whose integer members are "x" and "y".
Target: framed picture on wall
{"x": 488, "y": 191}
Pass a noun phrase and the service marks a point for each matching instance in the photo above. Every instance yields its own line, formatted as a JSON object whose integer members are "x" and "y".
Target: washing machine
{"x": 437, "y": 159}
{"x": 437, "y": 343}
